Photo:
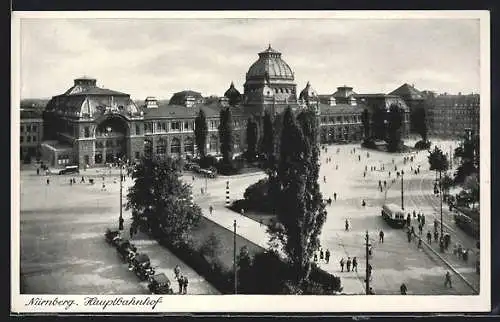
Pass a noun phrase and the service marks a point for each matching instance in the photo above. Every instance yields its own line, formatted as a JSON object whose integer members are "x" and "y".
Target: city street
{"x": 62, "y": 226}
{"x": 63, "y": 250}
{"x": 395, "y": 261}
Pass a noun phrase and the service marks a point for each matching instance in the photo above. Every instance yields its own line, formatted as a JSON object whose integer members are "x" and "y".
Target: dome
{"x": 270, "y": 65}
{"x": 233, "y": 95}
{"x": 308, "y": 92}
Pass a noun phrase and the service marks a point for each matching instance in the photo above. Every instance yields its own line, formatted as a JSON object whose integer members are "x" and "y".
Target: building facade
{"x": 31, "y": 133}
{"x": 450, "y": 115}
{"x": 92, "y": 126}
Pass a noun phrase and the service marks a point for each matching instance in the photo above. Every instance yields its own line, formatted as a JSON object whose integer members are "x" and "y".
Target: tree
{"x": 252, "y": 136}
{"x": 211, "y": 246}
{"x": 226, "y": 135}
{"x": 365, "y": 118}
{"x": 437, "y": 160}
{"x": 246, "y": 280}
{"x": 420, "y": 123}
{"x": 395, "y": 122}
{"x": 469, "y": 154}
{"x": 300, "y": 210}
{"x": 160, "y": 201}
{"x": 378, "y": 127}
{"x": 200, "y": 133}
{"x": 471, "y": 187}
{"x": 267, "y": 143}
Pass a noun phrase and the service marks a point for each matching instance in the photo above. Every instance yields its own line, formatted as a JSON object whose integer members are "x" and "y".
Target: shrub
{"x": 230, "y": 168}
{"x": 423, "y": 145}
{"x": 257, "y": 196}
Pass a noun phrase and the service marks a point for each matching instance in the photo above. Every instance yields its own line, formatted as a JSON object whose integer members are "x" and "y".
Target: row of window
{"x": 341, "y": 119}
{"x": 109, "y": 143}
{"x": 29, "y": 139}
{"x": 29, "y": 128}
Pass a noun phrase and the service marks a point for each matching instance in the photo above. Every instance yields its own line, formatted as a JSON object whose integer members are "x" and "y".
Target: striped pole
{"x": 191, "y": 200}
{"x": 227, "y": 193}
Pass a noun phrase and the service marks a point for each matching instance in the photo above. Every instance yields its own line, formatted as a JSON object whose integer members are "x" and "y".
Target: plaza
{"x": 63, "y": 249}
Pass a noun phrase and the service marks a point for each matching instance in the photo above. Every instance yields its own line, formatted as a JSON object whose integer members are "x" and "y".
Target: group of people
{"x": 348, "y": 263}
{"x": 322, "y": 255}
{"x": 182, "y": 280}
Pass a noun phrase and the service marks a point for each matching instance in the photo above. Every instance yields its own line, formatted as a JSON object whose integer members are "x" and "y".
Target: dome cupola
{"x": 270, "y": 66}
{"x": 233, "y": 95}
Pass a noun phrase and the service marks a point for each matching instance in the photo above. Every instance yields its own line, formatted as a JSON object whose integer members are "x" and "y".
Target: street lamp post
{"x": 234, "y": 259}
{"x": 441, "y": 202}
{"x": 402, "y": 194}
{"x": 120, "y": 220}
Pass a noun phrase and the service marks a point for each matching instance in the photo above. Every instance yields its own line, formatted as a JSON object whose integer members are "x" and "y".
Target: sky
{"x": 158, "y": 57}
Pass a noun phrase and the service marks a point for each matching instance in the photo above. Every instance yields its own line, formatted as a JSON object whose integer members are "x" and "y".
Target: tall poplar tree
{"x": 200, "y": 133}
{"x": 267, "y": 143}
{"x": 226, "y": 135}
{"x": 251, "y": 136}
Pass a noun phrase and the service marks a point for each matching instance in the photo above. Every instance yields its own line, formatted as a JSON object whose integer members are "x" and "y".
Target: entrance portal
{"x": 110, "y": 143}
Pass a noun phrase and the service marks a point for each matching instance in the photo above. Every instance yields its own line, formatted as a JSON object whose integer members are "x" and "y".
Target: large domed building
{"x": 270, "y": 84}
{"x": 92, "y": 126}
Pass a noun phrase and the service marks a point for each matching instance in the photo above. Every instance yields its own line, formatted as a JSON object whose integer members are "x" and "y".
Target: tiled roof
{"x": 340, "y": 108}
{"x": 407, "y": 91}
{"x": 100, "y": 91}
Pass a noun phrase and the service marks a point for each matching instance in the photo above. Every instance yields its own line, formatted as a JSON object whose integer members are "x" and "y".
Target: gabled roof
{"x": 407, "y": 91}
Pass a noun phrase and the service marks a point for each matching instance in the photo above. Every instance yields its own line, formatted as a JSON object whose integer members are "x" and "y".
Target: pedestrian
{"x": 346, "y": 225}
{"x": 363, "y": 203}
{"x": 359, "y": 158}
{"x": 420, "y": 227}
{"x": 321, "y": 254}
{"x": 103, "y": 187}
{"x": 185, "y": 283}
{"x": 371, "y": 292}
{"x": 418, "y": 218}
{"x": 327, "y": 256}
{"x": 389, "y": 173}
{"x": 403, "y": 289}
{"x": 408, "y": 234}
{"x": 201, "y": 190}
{"x": 335, "y": 196}
{"x": 419, "y": 242}
{"x": 422, "y": 219}
{"x": 342, "y": 264}
{"x": 37, "y": 171}
{"x": 354, "y": 264}
{"x": 48, "y": 181}
{"x": 180, "y": 280}
{"x": 70, "y": 182}
{"x": 447, "y": 279}
{"x": 348, "y": 264}
{"x": 324, "y": 179}
{"x": 385, "y": 183}
{"x": 315, "y": 257}
{"x": 177, "y": 271}
{"x": 211, "y": 209}
{"x": 412, "y": 230}
{"x": 381, "y": 237}
{"x": 83, "y": 180}
{"x": 429, "y": 237}
{"x": 131, "y": 232}
{"x": 370, "y": 251}
{"x": 336, "y": 167}
{"x": 435, "y": 224}
{"x": 370, "y": 269}
{"x": 408, "y": 220}
{"x": 193, "y": 178}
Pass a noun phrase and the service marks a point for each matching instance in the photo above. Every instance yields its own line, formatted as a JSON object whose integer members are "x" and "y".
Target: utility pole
{"x": 441, "y": 202}
{"x": 234, "y": 259}
{"x": 367, "y": 281}
{"x": 120, "y": 220}
{"x": 402, "y": 194}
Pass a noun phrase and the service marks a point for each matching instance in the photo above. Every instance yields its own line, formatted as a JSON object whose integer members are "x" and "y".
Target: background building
{"x": 31, "y": 133}
{"x": 450, "y": 115}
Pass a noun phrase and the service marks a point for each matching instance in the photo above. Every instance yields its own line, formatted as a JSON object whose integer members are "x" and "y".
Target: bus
{"x": 393, "y": 215}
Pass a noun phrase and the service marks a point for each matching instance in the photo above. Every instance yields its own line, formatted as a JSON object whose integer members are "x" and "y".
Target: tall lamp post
{"x": 120, "y": 220}
{"x": 402, "y": 194}
{"x": 441, "y": 202}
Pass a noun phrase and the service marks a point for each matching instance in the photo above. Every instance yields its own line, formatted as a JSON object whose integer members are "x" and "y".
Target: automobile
{"x": 189, "y": 165}
{"x": 160, "y": 284}
{"x": 195, "y": 167}
{"x": 141, "y": 265}
{"x": 125, "y": 248}
{"x": 208, "y": 173}
{"x": 112, "y": 236}
{"x": 70, "y": 169}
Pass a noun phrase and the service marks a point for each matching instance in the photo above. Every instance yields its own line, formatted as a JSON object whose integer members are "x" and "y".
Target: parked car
{"x": 160, "y": 284}
{"x": 70, "y": 169}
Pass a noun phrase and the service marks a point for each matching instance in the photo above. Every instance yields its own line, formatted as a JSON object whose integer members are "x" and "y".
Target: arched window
{"x": 188, "y": 145}
{"x": 175, "y": 146}
{"x": 213, "y": 143}
{"x": 87, "y": 132}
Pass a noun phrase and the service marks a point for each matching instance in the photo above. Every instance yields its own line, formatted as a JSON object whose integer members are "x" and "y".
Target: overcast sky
{"x": 158, "y": 57}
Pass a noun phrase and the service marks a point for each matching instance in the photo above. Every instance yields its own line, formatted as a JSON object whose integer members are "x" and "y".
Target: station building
{"x": 92, "y": 126}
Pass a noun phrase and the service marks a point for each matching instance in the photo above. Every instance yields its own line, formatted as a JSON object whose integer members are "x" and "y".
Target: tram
{"x": 393, "y": 215}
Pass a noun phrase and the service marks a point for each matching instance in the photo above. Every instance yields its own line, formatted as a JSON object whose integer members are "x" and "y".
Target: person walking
{"x": 422, "y": 219}
{"x": 408, "y": 234}
{"x": 48, "y": 181}
{"x": 327, "y": 256}
{"x": 447, "y": 279}
{"x": 436, "y": 236}
{"x": 348, "y": 264}
{"x": 211, "y": 209}
{"x": 335, "y": 196}
{"x": 321, "y": 254}
{"x": 37, "y": 171}
{"x": 342, "y": 264}
{"x": 324, "y": 179}
{"x": 420, "y": 228}
{"x": 403, "y": 289}
{"x": 408, "y": 220}
{"x": 381, "y": 237}
{"x": 429, "y": 237}
{"x": 177, "y": 271}
{"x": 315, "y": 257}
{"x": 185, "y": 283}
{"x": 180, "y": 280}
{"x": 346, "y": 225}
{"x": 131, "y": 232}
{"x": 354, "y": 264}
{"x": 83, "y": 180}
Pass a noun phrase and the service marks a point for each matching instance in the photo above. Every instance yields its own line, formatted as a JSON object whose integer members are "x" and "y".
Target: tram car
{"x": 393, "y": 215}
{"x": 468, "y": 220}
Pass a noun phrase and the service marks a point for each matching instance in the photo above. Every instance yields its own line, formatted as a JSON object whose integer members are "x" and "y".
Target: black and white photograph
{"x": 161, "y": 159}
